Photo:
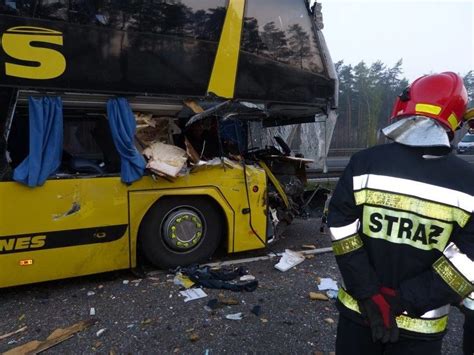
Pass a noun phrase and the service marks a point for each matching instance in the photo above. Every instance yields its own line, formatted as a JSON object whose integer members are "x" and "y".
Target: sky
{"x": 430, "y": 36}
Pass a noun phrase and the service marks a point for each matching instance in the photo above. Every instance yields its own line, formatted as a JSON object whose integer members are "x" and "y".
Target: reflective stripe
{"x": 460, "y": 261}
{"x": 418, "y": 325}
{"x": 469, "y": 301}
{"x": 338, "y": 233}
{"x": 415, "y": 188}
{"x": 453, "y": 121}
{"x": 412, "y": 204}
{"x": 453, "y": 277}
{"x": 437, "y": 313}
{"x": 347, "y": 245}
{"x": 405, "y": 228}
{"x": 428, "y": 108}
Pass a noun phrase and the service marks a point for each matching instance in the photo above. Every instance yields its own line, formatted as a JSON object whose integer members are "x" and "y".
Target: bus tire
{"x": 179, "y": 231}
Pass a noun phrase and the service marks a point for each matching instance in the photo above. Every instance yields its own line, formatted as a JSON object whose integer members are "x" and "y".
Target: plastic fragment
{"x": 234, "y": 316}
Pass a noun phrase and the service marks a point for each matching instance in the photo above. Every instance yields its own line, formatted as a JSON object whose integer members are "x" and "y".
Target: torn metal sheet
{"x": 165, "y": 159}
{"x": 207, "y": 113}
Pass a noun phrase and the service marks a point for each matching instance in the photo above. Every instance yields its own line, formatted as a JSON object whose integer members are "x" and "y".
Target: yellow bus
{"x": 80, "y": 82}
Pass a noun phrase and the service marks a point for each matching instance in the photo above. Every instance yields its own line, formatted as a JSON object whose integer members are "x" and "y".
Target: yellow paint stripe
{"x": 224, "y": 72}
{"x": 33, "y": 30}
{"x": 427, "y": 108}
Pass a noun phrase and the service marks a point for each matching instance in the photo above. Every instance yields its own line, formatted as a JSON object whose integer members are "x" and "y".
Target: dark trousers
{"x": 468, "y": 337}
{"x": 355, "y": 339}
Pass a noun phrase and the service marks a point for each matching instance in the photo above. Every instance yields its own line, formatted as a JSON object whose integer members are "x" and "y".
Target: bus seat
{"x": 81, "y": 165}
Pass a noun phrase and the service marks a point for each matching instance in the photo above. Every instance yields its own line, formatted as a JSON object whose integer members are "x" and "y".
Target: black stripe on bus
{"x": 61, "y": 239}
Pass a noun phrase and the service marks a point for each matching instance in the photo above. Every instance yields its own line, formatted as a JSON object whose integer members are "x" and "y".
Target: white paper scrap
{"x": 289, "y": 259}
{"x": 192, "y": 294}
{"x": 327, "y": 284}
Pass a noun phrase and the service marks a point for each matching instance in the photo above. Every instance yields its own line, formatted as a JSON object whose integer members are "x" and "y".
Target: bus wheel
{"x": 180, "y": 231}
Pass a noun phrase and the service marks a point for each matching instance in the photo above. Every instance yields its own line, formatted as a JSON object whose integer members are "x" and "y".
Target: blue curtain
{"x": 122, "y": 125}
{"x": 46, "y": 141}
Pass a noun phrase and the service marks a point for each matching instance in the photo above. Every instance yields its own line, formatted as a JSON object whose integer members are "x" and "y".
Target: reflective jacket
{"x": 401, "y": 217}
{"x": 469, "y": 302}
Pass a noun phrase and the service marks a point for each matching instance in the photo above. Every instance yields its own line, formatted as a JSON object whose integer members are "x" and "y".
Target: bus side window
{"x": 88, "y": 139}
{"x": 19, "y": 137}
{"x": 85, "y": 12}
{"x": 17, "y": 8}
{"x": 52, "y": 10}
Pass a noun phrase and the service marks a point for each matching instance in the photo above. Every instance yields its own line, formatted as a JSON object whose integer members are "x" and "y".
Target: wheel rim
{"x": 182, "y": 229}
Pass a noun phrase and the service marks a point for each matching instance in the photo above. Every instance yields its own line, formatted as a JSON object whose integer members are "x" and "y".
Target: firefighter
{"x": 402, "y": 228}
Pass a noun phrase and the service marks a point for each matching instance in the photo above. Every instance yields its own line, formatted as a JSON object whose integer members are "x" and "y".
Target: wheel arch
{"x": 142, "y": 202}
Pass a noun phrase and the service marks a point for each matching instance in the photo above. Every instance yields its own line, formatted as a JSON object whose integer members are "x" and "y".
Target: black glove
{"x": 381, "y": 319}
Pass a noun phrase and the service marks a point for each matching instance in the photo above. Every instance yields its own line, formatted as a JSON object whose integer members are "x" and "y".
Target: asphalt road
{"x": 149, "y": 316}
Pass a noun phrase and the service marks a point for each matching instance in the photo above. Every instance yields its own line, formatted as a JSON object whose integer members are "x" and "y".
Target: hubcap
{"x": 182, "y": 229}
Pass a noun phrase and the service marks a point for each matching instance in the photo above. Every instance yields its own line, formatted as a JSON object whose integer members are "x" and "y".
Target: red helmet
{"x": 439, "y": 96}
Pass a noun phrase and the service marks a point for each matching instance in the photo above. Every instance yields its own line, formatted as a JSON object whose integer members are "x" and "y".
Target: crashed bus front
{"x": 210, "y": 88}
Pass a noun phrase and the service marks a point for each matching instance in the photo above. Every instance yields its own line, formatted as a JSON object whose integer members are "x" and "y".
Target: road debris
{"x": 327, "y": 284}
{"x": 90, "y": 293}
{"x": 92, "y": 311}
{"x": 183, "y": 281}
{"x": 219, "y": 278}
{"x": 234, "y": 316}
{"x": 211, "y": 305}
{"x": 56, "y": 337}
{"x": 100, "y": 332}
{"x": 309, "y": 246}
{"x": 329, "y": 320}
{"x": 228, "y": 301}
{"x": 125, "y": 282}
{"x": 193, "y": 294}
{"x": 4, "y": 336}
{"x": 257, "y": 310}
{"x": 194, "y": 337}
{"x": 136, "y": 282}
{"x": 318, "y": 296}
{"x": 247, "y": 278}
{"x": 147, "y": 321}
{"x": 289, "y": 259}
